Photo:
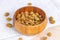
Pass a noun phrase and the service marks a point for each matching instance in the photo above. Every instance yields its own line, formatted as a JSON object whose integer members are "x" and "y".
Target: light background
{"x": 50, "y": 7}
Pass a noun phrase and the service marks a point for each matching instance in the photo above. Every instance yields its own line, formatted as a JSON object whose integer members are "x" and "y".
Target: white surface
{"x": 56, "y": 3}
{"x": 55, "y": 31}
{"x": 12, "y": 5}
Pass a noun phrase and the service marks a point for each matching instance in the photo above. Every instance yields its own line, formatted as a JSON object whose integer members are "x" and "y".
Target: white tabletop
{"x": 49, "y": 6}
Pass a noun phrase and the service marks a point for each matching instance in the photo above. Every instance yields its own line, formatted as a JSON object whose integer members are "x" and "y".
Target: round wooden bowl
{"x": 30, "y": 30}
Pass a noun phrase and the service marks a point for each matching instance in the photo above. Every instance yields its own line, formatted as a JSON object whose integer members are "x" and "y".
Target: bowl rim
{"x": 14, "y": 17}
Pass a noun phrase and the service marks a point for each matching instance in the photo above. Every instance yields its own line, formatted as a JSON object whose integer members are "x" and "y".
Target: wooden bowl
{"x": 30, "y": 30}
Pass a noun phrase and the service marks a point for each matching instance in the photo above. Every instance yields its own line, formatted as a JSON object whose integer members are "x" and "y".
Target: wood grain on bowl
{"x": 30, "y": 30}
